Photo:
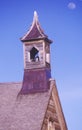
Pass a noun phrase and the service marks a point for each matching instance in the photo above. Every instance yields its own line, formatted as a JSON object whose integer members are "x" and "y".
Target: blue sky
{"x": 62, "y": 22}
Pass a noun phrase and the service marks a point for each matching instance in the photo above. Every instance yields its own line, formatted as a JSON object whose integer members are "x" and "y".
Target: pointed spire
{"x": 35, "y": 18}
{"x": 35, "y": 31}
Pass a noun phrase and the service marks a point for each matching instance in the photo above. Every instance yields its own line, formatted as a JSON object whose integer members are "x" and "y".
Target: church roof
{"x": 35, "y": 32}
{"x": 29, "y": 111}
{"x": 21, "y": 112}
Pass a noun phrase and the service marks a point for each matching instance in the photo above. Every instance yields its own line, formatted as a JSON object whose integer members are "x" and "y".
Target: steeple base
{"x": 36, "y": 80}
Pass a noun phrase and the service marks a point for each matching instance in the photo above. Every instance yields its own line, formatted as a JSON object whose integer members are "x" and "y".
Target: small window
{"x": 50, "y": 125}
{"x": 34, "y": 54}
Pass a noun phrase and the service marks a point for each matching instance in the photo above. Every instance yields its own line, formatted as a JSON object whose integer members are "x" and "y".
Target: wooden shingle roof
{"x": 21, "y": 112}
{"x": 29, "y": 111}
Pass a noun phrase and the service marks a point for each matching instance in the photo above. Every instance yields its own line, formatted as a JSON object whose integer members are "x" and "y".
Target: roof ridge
{"x": 10, "y": 82}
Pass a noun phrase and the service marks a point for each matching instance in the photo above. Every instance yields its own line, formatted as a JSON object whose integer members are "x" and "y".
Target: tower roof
{"x": 35, "y": 32}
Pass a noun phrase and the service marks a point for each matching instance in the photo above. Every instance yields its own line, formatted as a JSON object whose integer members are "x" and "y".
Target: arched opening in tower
{"x": 34, "y": 54}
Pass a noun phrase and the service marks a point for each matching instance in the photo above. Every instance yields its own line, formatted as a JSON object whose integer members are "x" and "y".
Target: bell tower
{"x": 37, "y": 69}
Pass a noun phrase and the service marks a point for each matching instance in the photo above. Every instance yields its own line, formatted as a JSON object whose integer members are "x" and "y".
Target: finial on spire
{"x": 35, "y": 16}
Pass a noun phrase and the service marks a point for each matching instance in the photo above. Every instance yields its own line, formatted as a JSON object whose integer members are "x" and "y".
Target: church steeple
{"x": 37, "y": 70}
